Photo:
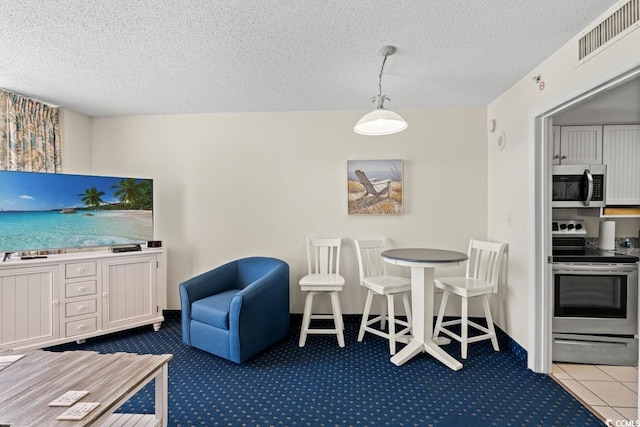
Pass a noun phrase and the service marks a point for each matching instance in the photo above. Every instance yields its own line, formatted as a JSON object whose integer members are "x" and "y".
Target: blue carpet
{"x": 322, "y": 384}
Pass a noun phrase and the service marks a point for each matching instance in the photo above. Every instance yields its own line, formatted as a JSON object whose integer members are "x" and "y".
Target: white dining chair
{"x": 323, "y": 262}
{"x": 481, "y": 279}
{"x": 373, "y": 276}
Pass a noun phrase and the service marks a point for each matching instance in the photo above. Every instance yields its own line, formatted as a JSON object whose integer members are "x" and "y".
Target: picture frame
{"x": 375, "y": 187}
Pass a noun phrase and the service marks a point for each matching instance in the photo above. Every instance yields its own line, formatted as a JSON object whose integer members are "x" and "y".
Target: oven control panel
{"x": 571, "y": 227}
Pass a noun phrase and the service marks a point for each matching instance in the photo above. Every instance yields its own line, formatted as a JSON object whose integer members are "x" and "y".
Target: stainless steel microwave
{"x": 578, "y": 186}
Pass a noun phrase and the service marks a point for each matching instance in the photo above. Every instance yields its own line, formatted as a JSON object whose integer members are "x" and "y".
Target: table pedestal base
{"x": 422, "y": 288}
{"x": 415, "y": 347}
{"x": 441, "y": 340}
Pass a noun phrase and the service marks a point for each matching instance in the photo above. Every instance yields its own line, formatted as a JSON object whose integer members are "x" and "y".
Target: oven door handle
{"x": 588, "y": 343}
{"x": 599, "y": 268}
{"x": 589, "y": 178}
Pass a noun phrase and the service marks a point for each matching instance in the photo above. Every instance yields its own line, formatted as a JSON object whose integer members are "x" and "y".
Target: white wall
{"x": 236, "y": 185}
{"x": 510, "y": 177}
{"x": 75, "y": 131}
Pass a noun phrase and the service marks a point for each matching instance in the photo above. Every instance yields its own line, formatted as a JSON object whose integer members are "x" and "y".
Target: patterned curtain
{"x": 29, "y": 135}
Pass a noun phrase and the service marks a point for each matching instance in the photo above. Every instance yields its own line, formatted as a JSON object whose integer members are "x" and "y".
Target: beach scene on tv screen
{"x": 40, "y": 211}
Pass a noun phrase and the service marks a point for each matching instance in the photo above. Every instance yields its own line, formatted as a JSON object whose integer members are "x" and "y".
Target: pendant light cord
{"x": 380, "y": 77}
{"x": 379, "y": 100}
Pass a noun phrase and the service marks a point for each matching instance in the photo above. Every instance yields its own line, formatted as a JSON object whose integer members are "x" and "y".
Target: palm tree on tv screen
{"x": 92, "y": 197}
{"x": 146, "y": 195}
{"x": 134, "y": 194}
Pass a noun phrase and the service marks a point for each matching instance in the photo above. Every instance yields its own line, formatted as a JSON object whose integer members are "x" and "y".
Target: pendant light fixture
{"x": 381, "y": 121}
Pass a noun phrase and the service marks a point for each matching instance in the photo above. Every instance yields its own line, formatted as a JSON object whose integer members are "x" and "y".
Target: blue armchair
{"x": 238, "y": 309}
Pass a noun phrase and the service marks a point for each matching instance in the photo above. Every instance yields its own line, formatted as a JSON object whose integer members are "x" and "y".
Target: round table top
{"x": 424, "y": 255}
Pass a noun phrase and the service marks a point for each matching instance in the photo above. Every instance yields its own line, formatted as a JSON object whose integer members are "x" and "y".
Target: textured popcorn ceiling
{"x": 107, "y": 57}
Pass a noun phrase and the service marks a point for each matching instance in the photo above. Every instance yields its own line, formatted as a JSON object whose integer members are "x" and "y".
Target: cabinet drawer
{"x": 80, "y": 307}
{"x": 80, "y": 269}
{"x": 80, "y": 327}
{"x": 79, "y": 289}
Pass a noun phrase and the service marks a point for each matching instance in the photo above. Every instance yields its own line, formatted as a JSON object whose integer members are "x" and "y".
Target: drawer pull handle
{"x": 81, "y": 327}
{"x": 81, "y": 308}
{"x": 81, "y": 269}
{"x": 81, "y": 288}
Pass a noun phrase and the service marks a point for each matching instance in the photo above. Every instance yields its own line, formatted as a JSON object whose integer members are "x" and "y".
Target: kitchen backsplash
{"x": 634, "y": 242}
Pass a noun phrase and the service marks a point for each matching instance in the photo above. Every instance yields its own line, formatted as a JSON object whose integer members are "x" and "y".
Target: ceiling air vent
{"x": 617, "y": 25}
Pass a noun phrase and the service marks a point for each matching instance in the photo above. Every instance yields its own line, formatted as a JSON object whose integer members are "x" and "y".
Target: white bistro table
{"x": 423, "y": 263}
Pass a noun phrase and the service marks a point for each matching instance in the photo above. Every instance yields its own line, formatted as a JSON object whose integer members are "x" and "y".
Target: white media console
{"x": 75, "y": 296}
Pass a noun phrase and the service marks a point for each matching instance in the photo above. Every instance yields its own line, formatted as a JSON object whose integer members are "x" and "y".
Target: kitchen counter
{"x": 628, "y": 251}
{"x": 595, "y": 255}
{"x": 634, "y": 250}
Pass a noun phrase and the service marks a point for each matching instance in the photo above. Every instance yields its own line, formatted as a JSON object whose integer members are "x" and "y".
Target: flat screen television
{"x": 52, "y": 211}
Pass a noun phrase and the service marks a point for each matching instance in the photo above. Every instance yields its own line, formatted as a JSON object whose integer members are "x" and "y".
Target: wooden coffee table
{"x": 29, "y": 384}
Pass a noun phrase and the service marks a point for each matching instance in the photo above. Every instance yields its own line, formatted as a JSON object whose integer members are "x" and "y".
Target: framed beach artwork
{"x": 375, "y": 187}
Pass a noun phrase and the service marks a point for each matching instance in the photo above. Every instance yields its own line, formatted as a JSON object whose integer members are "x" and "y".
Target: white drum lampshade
{"x": 380, "y": 122}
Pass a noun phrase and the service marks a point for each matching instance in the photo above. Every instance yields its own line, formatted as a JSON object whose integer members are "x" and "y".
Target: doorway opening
{"x": 605, "y": 94}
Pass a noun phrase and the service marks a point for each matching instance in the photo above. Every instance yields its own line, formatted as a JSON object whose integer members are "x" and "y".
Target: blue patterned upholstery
{"x": 238, "y": 309}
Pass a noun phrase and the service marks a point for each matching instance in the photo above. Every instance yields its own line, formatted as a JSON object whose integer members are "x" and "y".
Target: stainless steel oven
{"x": 576, "y": 186}
{"x": 595, "y": 300}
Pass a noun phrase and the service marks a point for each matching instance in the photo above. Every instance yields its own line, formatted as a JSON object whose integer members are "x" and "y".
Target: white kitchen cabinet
{"x": 556, "y": 145}
{"x": 72, "y": 297}
{"x": 621, "y": 154}
{"x": 577, "y": 145}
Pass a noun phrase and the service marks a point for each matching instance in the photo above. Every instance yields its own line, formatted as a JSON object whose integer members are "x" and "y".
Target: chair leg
{"x": 407, "y": 308}
{"x": 383, "y": 313}
{"x": 464, "y": 332}
{"x": 487, "y": 315}
{"x": 392, "y": 325}
{"x": 443, "y": 306}
{"x": 306, "y": 319}
{"x": 337, "y": 317}
{"x": 365, "y": 315}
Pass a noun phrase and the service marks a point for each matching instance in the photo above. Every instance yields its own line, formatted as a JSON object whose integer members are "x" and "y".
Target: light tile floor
{"x": 610, "y": 392}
